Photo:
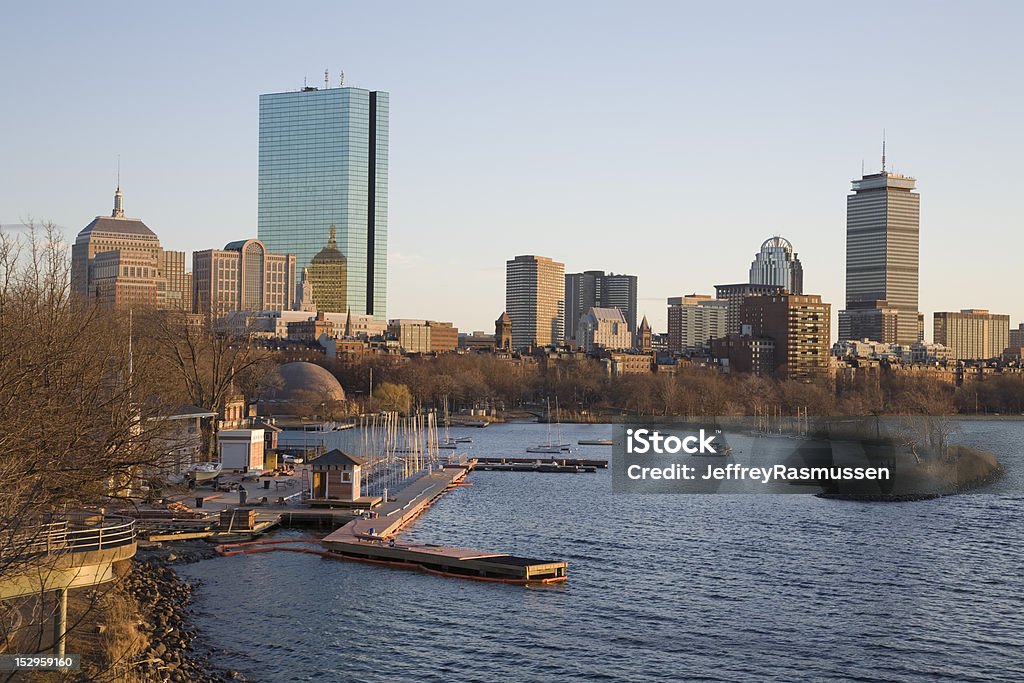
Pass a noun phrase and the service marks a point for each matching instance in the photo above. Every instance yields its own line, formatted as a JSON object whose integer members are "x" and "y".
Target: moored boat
{"x": 204, "y": 471}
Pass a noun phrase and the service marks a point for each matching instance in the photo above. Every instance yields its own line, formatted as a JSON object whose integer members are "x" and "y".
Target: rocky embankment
{"x": 172, "y": 652}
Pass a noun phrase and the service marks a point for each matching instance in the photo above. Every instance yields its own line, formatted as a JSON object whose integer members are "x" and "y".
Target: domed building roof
{"x": 305, "y": 383}
{"x": 777, "y": 242}
{"x": 330, "y": 253}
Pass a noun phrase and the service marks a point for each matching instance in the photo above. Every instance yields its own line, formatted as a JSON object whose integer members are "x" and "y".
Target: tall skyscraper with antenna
{"x": 323, "y": 162}
{"x": 882, "y": 259}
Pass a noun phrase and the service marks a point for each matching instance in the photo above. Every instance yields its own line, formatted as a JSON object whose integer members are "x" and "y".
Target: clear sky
{"x": 666, "y": 140}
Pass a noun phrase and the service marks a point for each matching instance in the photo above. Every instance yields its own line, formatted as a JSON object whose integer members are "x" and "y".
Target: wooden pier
{"x": 372, "y": 540}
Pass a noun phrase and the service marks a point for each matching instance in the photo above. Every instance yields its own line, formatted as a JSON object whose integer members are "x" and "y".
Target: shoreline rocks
{"x": 164, "y": 600}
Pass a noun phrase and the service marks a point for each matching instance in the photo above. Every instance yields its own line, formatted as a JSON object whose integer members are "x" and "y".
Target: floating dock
{"x": 372, "y": 540}
{"x": 545, "y": 467}
{"x": 564, "y": 462}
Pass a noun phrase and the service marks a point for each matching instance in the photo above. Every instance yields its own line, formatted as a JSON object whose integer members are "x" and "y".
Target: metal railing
{"x": 72, "y": 535}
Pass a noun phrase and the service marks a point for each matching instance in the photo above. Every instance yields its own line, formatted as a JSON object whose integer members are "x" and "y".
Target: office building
{"x": 799, "y": 327}
{"x": 1017, "y": 337}
{"x": 243, "y": 276}
{"x": 423, "y": 336}
{"x": 125, "y": 278}
{"x": 118, "y": 261}
{"x": 603, "y": 328}
{"x": 535, "y": 301}
{"x": 734, "y": 295}
{"x": 973, "y": 333}
{"x": 174, "y": 291}
{"x": 595, "y": 289}
{"x": 279, "y": 324}
{"x": 882, "y": 252}
{"x": 777, "y": 264}
{"x": 323, "y": 160}
{"x": 694, "y": 320}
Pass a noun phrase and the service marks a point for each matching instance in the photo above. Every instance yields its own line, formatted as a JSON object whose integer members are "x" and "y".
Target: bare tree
{"x": 203, "y": 366}
{"x": 81, "y": 427}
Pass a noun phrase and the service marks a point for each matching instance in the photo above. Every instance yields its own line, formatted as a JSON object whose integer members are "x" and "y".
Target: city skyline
{"x": 469, "y": 151}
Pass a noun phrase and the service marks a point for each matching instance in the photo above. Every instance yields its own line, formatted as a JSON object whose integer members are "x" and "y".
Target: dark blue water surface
{"x": 661, "y": 587}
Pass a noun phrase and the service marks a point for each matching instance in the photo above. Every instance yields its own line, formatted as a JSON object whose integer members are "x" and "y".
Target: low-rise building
{"x": 424, "y": 336}
{"x": 241, "y": 449}
{"x": 618, "y": 364}
{"x": 477, "y": 341}
{"x": 745, "y": 353}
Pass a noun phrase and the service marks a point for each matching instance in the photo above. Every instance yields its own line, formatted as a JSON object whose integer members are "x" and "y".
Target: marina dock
{"x": 564, "y": 462}
{"x": 544, "y": 467}
{"x": 366, "y": 534}
{"x": 372, "y": 540}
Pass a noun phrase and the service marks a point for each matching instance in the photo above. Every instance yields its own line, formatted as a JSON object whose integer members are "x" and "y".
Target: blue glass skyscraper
{"x": 323, "y": 161}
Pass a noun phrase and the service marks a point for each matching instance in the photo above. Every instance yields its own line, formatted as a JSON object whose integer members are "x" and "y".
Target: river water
{"x": 661, "y": 587}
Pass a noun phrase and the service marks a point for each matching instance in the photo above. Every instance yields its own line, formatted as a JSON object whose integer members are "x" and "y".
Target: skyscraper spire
{"x": 119, "y": 211}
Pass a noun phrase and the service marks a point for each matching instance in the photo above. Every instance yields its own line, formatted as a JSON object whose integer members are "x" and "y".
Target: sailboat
{"x": 551, "y": 445}
{"x": 449, "y": 443}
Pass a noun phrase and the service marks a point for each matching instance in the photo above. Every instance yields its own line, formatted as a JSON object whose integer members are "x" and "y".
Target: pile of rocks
{"x": 164, "y": 600}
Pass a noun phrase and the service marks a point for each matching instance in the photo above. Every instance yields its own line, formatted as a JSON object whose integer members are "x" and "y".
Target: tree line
{"x": 580, "y": 385}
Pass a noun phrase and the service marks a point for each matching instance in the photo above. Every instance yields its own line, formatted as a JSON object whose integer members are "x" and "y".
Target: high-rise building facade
{"x": 175, "y": 292}
{"x": 118, "y": 261}
{"x": 323, "y": 160}
{"x": 799, "y": 326}
{"x": 972, "y": 333}
{"x": 882, "y": 253}
{"x": 694, "y": 320}
{"x": 1017, "y": 337}
{"x": 243, "y": 276}
{"x": 777, "y": 264}
{"x": 535, "y": 300}
{"x": 595, "y": 289}
{"x": 734, "y": 295}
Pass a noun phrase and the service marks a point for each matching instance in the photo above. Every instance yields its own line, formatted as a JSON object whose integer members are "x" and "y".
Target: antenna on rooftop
{"x": 326, "y": 84}
{"x": 883, "y": 150}
{"x": 341, "y": 79}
